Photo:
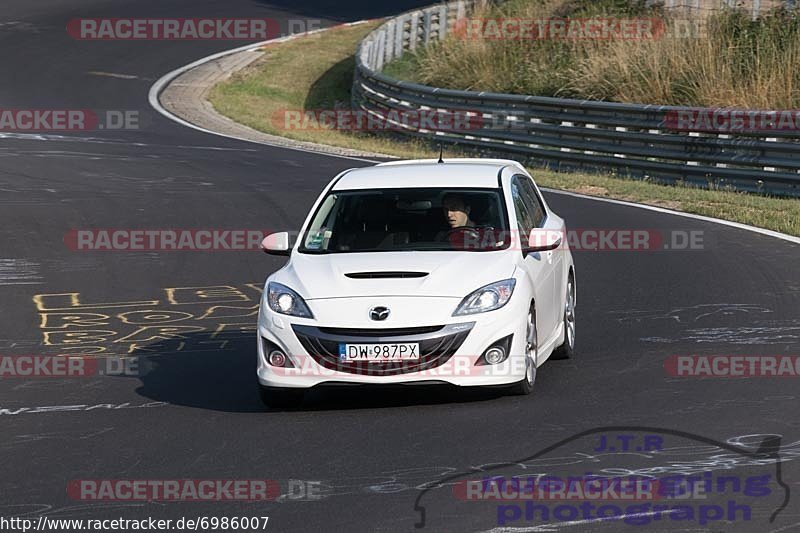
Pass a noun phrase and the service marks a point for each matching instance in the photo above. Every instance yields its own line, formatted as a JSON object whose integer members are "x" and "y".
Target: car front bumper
{"x": 449, "y": 352}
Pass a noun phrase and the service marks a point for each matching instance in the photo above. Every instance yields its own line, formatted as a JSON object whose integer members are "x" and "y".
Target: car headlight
{"x": 285, "y": 301}
{"x": 488, "y": 298}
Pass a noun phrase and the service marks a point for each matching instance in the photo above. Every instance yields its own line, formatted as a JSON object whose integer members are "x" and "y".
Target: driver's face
{"x": 456, "y": 213}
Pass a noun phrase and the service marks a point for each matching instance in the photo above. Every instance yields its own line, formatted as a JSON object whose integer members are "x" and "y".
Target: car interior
{"x": 386, "y": 222}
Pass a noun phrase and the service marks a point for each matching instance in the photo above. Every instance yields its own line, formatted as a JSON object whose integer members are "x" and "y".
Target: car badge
{"x": 379, "y": 313}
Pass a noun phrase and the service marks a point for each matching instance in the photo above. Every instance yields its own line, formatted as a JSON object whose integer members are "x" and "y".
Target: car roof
{"x": 466, "y": 173}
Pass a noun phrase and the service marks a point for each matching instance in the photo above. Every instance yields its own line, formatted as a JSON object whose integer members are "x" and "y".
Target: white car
{"x": 419, "y": 272}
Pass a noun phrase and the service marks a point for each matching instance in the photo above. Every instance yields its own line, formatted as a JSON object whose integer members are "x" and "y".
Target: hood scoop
{"x": 385, "y": 275}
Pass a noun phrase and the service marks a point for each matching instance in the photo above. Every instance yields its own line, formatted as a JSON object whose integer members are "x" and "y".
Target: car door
{"x": 555, "y": 258}
{"x": 539, "y": 266}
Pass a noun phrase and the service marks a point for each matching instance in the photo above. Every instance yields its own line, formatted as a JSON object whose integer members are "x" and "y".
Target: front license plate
{"x": 379, "y": 352}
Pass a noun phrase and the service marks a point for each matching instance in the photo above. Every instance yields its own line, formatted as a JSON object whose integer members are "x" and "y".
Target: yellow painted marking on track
{"x": 184, "y": 319}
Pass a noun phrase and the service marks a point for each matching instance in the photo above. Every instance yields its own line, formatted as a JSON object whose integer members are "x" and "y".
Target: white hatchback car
{"x": 419, "y": 272}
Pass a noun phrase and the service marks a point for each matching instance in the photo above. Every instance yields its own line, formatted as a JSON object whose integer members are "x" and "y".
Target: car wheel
{"x": 567, "y": 349}
{"x": 525, "y": 386}
{"x": 281, "y": 397}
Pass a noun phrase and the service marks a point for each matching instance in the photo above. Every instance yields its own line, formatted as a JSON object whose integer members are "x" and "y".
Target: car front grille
{"x": 437, "y": 345}
{"x": 374, "y": 332}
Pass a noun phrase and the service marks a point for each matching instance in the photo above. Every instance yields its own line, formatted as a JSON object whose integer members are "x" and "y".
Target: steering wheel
{"x": 463, "y": 231}
{"x": 473, "y": 238}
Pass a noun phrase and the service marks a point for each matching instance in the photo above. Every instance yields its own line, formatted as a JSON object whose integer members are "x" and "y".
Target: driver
{"x": 456, "y": 211}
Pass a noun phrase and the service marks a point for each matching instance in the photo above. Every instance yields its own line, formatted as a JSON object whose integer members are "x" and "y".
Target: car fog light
{"x": 276, "y": 358}
{"x": 495, "y": 355}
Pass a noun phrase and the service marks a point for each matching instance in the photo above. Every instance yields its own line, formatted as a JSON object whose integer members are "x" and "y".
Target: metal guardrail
{"x": 633, "y": 140}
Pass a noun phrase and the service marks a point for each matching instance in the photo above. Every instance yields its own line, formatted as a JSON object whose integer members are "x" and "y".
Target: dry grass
{"x": 731, "y": 61}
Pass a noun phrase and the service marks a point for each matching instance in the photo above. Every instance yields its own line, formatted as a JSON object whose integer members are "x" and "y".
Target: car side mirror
{"x": 276, "y": 243}
{"x": 543, "y": 240}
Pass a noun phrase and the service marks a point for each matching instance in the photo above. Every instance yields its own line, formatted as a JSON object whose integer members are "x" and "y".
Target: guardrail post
{"x": 366, "y": 54}
{"x": 413, "y": 31}
{"x": 426, "y": 31}
{"x": 381, "y": 50}
{"x": 390, "y": 31}
{"x": 461, "y": 10}
{"x": 398, "y": 36}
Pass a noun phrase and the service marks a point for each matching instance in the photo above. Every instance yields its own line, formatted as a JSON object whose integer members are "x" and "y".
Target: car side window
{"x": 525, "y": 221}
{"x": 532, "y": 200}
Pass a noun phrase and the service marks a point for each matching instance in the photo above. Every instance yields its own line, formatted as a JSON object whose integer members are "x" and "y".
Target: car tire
{"x": 281, "y": 397}
{"x": 567, "y": 348}
{"x": 525, "y": 386}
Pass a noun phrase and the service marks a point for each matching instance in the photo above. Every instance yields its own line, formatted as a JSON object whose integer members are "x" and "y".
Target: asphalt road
{"x": 376, "y": 458}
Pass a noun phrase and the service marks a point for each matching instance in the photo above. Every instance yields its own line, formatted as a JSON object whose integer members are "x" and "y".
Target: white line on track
{"x": 737, "y": 225}
{"x": 13, "y": 411}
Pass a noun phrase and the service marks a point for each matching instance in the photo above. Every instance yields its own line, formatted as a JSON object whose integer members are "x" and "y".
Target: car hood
{"x": 449, "y": 274}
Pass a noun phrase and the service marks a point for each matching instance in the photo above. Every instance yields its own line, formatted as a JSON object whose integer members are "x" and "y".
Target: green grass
{"x": 310, "y": 73}
{"x": 316, "y": 72}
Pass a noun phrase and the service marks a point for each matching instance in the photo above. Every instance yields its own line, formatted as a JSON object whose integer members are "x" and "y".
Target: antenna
{"x": 441, "y": 153}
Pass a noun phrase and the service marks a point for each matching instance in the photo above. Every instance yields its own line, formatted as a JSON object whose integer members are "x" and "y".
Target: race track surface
{"x": 375, "y": 455}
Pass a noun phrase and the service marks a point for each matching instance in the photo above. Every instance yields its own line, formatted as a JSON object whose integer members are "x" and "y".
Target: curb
{"x": 244, "y": 133}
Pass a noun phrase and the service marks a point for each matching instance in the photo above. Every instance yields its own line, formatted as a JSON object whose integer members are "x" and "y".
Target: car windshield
{"x": 408, "y": 220}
